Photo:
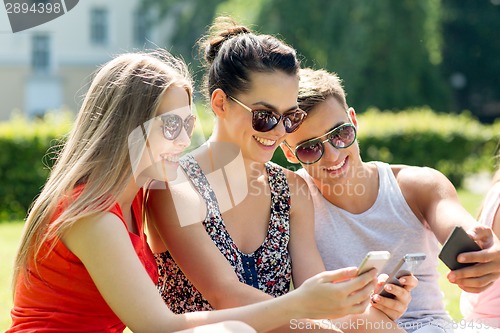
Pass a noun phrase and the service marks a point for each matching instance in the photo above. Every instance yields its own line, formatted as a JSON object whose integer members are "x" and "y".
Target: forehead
{"x": 174, "y": 98}
{"x": 277, "y": 88}
{"x": 322, "y": 118}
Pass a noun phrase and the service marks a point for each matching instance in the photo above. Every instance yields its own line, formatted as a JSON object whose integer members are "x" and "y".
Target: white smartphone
{"x": 406, "y": 266}
{"x": 374, "y": 259}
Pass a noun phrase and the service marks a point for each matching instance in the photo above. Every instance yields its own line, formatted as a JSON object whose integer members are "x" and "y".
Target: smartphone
{"x": 406, "y": 266}
{"x": 373, "y": 259}
{"x": 458, "y": 242}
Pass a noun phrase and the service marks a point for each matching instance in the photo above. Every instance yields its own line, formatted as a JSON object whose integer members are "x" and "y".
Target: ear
{"x": 218, "y": 102}
{"x": 352, "y": 116}
{"x": 288, "y": 154}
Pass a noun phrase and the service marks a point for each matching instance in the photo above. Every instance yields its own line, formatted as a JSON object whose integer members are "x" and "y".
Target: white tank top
{"x": 344, "y": 239}
{"x": 485, "y": 305}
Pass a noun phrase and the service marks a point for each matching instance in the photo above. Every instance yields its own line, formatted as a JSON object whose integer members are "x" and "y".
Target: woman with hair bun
{"x": 238, "y": 228}
{"x": 83, "y": 264}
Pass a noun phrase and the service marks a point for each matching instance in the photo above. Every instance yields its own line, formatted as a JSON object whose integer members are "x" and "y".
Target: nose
{"x": 279, "y": 130}
{"x": 183, "y": 140}
{"x": 330, "y": 151}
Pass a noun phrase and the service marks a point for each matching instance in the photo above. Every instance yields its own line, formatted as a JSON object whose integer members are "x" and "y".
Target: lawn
{"x": 11, "y": 232}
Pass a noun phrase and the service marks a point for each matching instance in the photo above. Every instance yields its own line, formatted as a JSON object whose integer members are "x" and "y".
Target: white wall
{"x": 73, "y": 56}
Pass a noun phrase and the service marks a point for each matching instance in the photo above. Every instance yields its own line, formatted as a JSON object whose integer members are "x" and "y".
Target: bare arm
{"x": 304, "y": 252}
{"x": 197, "y": 256}
{"x": 129, "y": 291}
{"x": 307, "y": 260}
{"x": 435, "y": 201}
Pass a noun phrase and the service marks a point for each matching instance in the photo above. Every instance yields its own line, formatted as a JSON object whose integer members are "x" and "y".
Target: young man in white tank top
{"x": 361, "y": 207}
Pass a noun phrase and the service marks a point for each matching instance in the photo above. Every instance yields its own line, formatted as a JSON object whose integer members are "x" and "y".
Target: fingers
{"x": 334, "y": 294}
{"x": 337, "y": 275}
{"x": 395, "y": 308}
{"x": 381, "y": 279}
{"x": 391, "y": 307}
{"x": 477, "y": 277}
{"x": 482, "y": 256}
{"x": 476, "y": 284}
{"x": 409, "y": 282}
{"x": 482, "y": 235}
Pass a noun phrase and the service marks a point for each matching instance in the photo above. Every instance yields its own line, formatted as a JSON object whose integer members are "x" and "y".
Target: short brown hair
{"x": 315, "y": 86}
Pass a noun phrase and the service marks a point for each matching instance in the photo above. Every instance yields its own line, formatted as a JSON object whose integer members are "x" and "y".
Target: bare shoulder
{"x": 423, "y": 187}
{"x": 177, "y": 203}
{"x": 419, "y": 178}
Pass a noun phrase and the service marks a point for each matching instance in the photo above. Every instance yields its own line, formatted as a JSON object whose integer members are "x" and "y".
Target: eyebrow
{"x": 317, "y": 137}
{"x": 272, "y": 107}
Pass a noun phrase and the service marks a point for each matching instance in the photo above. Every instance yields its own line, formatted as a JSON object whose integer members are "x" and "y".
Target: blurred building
{"x": 49, "y": 66}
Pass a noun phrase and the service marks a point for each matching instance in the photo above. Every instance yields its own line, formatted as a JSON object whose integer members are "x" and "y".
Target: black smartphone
{"x": 373, "y": 259}
{"x": 458, "y": 242}
{"x": 406, "y": 266}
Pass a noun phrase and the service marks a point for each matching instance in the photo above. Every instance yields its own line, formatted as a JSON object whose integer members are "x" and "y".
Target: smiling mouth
{"x": 265, "y": 142}
{"x": 170, "y": 158}
{"x": 337, "y": 166}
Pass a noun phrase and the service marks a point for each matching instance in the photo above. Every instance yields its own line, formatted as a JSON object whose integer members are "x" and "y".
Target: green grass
{"x": 10, "y": 234}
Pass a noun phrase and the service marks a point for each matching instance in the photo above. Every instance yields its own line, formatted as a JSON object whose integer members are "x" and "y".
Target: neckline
{"x": 215, "y": 211}
{"x": 136, "y": 216}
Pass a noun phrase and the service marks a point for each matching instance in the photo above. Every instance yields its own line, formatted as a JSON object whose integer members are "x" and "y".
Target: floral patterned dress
{"x": 268, "y": 268}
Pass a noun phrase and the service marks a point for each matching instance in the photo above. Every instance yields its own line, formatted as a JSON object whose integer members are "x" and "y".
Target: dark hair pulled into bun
{"x": 231, "y": 52}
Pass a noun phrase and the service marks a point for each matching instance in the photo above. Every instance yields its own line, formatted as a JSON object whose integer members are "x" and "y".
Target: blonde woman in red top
{"x": 83, "y": 264}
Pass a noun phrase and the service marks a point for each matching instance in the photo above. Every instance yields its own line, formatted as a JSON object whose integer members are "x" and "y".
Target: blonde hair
{"x": 124, "y": 93}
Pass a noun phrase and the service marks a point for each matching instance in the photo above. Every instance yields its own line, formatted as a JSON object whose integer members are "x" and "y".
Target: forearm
{"x": 262, "y": 316}
{"x": 245, "y": 295}
{"x": 371, "y": 321}
{"x": 232, "y": 296}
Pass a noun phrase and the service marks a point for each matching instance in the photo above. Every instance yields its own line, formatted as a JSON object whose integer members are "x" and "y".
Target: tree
{"x": 471, "y": 55}
{"x": 388, "y": 52}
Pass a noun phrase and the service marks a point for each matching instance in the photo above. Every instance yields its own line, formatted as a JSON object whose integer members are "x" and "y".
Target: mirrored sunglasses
{"x": 173, "y": 124}
{"x": 265, "y": 120}
{"x": 311, "y": 151}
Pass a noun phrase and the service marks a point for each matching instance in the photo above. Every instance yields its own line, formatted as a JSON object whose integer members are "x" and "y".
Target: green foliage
{"x": 388, "y": 52}
{"x": 24, "y": 162}
{"x": 470, "y": 51}
{"x": 456, "y": 145}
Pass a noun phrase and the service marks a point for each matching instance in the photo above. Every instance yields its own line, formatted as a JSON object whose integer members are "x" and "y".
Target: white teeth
{"x": 171, "y": 158}
{"x": 265, "y": 142}
{"x": 336, "y": 167}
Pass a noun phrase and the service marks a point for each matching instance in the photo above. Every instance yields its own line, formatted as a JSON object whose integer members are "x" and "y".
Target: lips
{"x": 337, "y": 166}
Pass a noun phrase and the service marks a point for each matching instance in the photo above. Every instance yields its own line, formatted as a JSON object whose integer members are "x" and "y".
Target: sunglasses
{"x": 311, "y": 151}
{"x": 266, "y": 120}
{"x": 173, "y": 124}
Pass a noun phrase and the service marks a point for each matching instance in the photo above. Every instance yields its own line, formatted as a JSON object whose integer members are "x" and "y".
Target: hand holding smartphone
{"x": 458, "y": 242}
{"x": 406, "y": 266}
{"x": 373, "y": 259}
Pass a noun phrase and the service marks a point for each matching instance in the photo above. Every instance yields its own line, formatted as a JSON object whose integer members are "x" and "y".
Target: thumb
{"x": 482, "y": 235}
{"x": 338, "y": 275}
{"x": 381, "y": 279}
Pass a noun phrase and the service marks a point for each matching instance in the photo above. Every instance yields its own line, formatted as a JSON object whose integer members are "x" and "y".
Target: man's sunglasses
{"x": 266, "y": 120}
{"x": 173, "y": 124}
{"x": 311, "y": 151}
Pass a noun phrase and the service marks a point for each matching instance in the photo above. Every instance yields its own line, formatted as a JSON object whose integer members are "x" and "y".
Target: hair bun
{"x": 224, "y": 28}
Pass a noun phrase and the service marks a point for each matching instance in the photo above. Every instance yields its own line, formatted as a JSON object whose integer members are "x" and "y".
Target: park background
{"x": 423, "y": 75}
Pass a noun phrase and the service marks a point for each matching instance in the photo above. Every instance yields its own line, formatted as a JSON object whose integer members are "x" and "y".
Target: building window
{"x": 99, "y": 26}
{"x": 40, "y": 58}
{"x": 141, "y": 27}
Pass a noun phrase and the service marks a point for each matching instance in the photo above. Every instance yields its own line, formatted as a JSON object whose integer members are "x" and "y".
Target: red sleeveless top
{"x": 62, "y": 296}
